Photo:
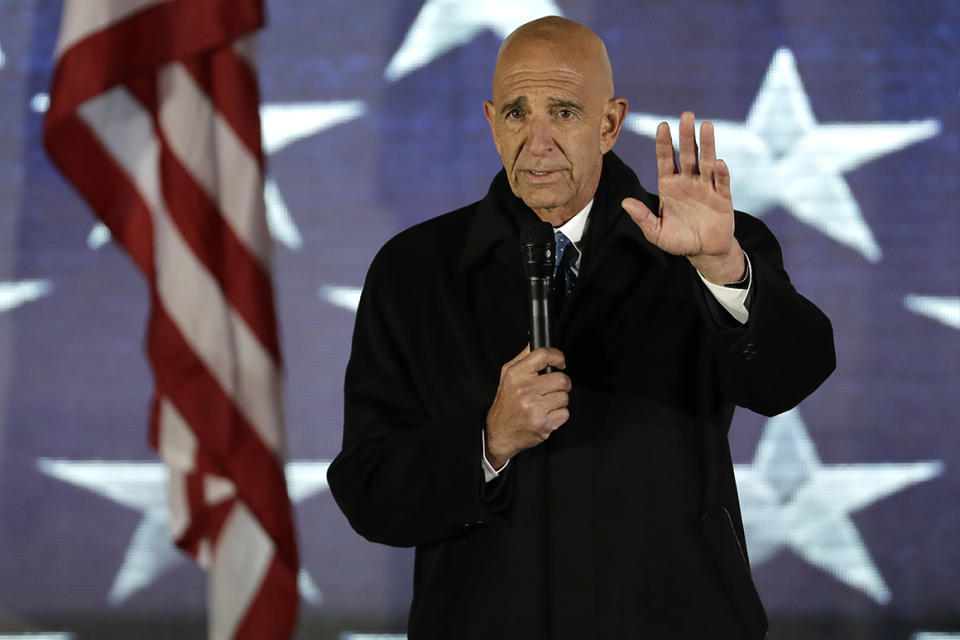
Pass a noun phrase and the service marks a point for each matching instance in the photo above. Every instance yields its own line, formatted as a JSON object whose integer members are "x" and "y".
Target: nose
{"x": 540, "y": 140}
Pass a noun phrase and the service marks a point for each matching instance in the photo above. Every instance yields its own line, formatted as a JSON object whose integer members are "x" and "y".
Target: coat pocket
{"x": 734, "y": 571}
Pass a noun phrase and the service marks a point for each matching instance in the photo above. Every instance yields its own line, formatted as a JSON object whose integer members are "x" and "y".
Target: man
{"x": 598, "y": 500}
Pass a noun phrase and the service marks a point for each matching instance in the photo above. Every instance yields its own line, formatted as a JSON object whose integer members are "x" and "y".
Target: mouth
{"x": 540, "y": 173}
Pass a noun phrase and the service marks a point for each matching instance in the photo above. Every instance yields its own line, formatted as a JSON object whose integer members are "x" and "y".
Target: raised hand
{"x": 528, "y": 407}
{"x": 696, "y": 210}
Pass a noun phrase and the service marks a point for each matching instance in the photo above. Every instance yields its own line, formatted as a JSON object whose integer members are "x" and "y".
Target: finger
{"x": 515, "y": 359}
{"x": 688, "y": 144}
{"x": 555, "y": 419}
{"x": 537, "y": 359}
{"x": 708, "y": 150}
{"x": 648, "y": 222}
{"x": 556, "y": 400}
{"x": 721, "y": 179}
{"x": 549, "y": 383}
{"x": 666, "y": 161}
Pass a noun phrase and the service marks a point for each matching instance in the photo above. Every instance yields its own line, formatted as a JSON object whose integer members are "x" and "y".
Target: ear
{"x": 613, "y": 116}
{"x": 491, "y": 113}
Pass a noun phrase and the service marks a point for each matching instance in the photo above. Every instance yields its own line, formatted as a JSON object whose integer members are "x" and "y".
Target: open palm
{"x": 696, "y": 209}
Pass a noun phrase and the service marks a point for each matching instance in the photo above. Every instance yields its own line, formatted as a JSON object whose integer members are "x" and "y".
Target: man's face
{"x": 550, "y": 122}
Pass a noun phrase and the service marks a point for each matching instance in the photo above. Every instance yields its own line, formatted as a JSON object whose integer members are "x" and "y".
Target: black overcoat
{"x": 625, "y": 523}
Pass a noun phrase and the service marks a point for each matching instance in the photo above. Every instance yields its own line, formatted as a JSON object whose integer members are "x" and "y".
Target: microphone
{"x": 537, "y": 248}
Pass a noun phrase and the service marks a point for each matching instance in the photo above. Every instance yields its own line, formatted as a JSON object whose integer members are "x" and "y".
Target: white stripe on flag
{"x": 81, "y": 19}
{"x": 178, "y": 503}
{"x": 178, "y": 445}
{"x": 243, "y": 554}
{"x": 246, "y": 48}
{"x": 178, "y": 448}
{"x": 216, "y": 489}
{"x": 218, "y": 160}
{"x": 219, "y": 337}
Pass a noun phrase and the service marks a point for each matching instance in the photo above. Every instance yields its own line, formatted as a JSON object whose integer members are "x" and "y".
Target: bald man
{"x": 597, "y": 500}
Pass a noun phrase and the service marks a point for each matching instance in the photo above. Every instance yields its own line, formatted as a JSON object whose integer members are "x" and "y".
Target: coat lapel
{"x": 615, "y": 252}
{"x": 492, "y": 292}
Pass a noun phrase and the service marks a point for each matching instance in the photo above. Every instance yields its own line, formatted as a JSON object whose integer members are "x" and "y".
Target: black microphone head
{"x": 537, "y": 248}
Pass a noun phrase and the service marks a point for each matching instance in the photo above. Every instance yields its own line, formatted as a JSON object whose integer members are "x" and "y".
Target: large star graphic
{"x": 142, "y": 486}
{"x": 442, "y": 25}
{"x": 943, "y": 309}
{"x": 282, "y": 124}
{"x": 781, "y": 156}
{"x": 790, "y": 500}
{"x": 16, "y": 293}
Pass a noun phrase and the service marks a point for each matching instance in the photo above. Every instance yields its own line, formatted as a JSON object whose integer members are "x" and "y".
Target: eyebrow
{"x": 516, "y": 103}
{"x": 521, "y": 103}
{"x": 566, "y": 104}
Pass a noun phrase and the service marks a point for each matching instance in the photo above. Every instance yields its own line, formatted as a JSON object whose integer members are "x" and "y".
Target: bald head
{"x": 553, "y": 114}
{"x": 562, "y": 40}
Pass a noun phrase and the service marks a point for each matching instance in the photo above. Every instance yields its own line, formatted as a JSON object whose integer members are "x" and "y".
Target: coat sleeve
{"x": 785, "y": 350}
{"x": 408, "y": 473}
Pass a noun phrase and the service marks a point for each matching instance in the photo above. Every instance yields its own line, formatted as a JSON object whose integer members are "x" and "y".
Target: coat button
{"x": 749, "y": 352}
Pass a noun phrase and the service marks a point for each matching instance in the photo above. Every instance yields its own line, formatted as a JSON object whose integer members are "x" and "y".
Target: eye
{"x": 565, "y": 114}
{"x": 515, "y": 114}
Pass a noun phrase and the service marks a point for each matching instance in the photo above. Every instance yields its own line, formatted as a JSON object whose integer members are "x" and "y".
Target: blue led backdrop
{"x": 841, "y": 125}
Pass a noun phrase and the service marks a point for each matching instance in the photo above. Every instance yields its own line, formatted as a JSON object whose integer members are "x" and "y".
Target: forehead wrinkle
{"x": 540, "y": 76}
{"x": 558, "y": 85}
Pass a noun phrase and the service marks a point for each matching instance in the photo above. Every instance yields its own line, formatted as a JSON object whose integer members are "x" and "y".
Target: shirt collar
{"x": 575, "y": 226}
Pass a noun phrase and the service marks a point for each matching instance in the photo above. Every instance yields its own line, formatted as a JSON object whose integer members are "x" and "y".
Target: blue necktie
{"x": 567, "y": 267}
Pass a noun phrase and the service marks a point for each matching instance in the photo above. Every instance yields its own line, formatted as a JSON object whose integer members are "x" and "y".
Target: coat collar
{"x": 500, "y": 214}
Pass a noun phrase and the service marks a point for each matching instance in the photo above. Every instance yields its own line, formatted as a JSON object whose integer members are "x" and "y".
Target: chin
{"x": 536, "y": 199}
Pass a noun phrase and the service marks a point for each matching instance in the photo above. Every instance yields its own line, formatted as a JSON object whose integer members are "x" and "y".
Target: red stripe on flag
{"x": 145, "y": 40}
{"x": 231, "y": 85}
{"x": 93, "y": 171}
{"x": 240, "y": 275}
{"x": 266, "y": 613}
{"x": 233, "y": 446}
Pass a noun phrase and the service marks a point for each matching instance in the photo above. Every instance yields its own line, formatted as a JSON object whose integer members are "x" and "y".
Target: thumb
{"x": 645, "y": 219}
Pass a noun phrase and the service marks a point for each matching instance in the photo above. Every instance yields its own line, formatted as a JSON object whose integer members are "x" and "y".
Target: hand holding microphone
{"x": 532, "y": 396}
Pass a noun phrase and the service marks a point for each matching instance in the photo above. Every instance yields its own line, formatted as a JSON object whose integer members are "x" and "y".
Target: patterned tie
{"x": 567, "y": 267}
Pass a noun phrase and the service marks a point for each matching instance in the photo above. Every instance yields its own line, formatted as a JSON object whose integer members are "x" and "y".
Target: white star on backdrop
{"x": 16, "y": 293}
{"x": 282, "y": 124}
{"x": 345, "y": 297}
{"x": 142, "y": 486}
{"x": 790, "y": 500}
{"x": 442, "y": 25}
{"x": 943, "y": 309}
{"x": 781, "y": 156}
{"x": 3, "y": 58}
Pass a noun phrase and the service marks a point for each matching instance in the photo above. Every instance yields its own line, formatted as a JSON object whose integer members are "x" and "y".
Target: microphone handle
{"x": 541, "y": 320}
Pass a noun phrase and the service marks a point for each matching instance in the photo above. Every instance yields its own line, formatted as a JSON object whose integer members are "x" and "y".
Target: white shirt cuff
{"x": 489, "y": 473}
{"x": 731, "y": 298}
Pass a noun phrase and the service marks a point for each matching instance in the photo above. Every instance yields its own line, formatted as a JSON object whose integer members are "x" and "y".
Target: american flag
{"x": 154, "y": 119}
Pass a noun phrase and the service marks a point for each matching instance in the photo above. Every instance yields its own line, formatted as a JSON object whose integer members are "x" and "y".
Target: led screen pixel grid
{"x": 840, "y": 123}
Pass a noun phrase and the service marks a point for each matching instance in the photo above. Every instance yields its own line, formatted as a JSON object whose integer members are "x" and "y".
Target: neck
{"x": 556, "y": 217}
